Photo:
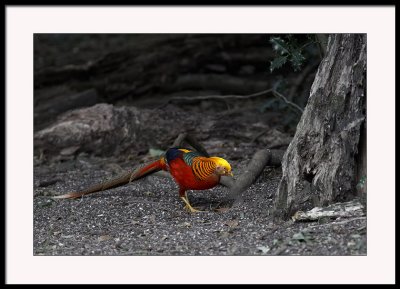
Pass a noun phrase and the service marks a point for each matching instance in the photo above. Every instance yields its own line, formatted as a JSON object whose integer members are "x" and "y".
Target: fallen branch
{"x": 229, "y": 96}
{"x": 338, "y": 223}
{"x": 348, "y": 209}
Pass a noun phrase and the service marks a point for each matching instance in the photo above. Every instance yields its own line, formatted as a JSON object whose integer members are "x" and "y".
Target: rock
{"x": 104, "y": 129}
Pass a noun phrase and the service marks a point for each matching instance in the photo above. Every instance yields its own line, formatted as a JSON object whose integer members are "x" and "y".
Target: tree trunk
{"x": 326, "y": 160}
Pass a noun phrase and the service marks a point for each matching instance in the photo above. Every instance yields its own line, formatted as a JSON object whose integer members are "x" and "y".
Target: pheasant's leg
{"x": 183, "y": 195}
{"x": 197, "y": 210}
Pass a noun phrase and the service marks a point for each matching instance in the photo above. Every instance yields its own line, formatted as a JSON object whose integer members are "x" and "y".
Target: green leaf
{"x": 297, "y": 59}
{"x": 278, "y": 62}
{"x": 279, "y": 45}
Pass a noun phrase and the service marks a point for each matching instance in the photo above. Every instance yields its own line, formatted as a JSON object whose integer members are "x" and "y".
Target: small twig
{"x": 218, "y": 97}
{"x": 277, "y": 94}
{"x": 224, "y": 97}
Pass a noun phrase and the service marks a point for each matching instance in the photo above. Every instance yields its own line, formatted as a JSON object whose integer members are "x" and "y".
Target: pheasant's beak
{"x": 230, "y": 174}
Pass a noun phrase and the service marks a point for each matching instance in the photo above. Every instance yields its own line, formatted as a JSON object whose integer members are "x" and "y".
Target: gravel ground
{"x": 147, "y": 218}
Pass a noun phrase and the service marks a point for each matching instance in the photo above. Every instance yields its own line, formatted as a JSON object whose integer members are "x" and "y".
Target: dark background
{"x": 145, "y": 70}
{"x": 150, "y": 70}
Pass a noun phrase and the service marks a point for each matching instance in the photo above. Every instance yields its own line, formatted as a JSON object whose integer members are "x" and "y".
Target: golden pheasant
{"x": 190, "y": 170}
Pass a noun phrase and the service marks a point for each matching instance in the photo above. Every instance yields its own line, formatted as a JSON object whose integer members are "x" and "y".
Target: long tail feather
{"x": 122, "y": 180}
{"x": 148, "y": 170}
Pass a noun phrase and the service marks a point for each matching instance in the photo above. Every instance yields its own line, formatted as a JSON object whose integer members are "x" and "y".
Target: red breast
{"x": 183, "y": 175}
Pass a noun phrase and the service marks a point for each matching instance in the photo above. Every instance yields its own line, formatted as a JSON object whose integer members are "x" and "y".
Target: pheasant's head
{"x": 222, "y": 168}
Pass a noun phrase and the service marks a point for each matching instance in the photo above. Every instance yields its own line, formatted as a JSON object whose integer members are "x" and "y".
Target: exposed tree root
{"x": 260, "y": 160}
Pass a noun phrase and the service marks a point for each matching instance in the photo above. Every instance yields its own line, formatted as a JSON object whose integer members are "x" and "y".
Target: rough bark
{"x": 327, "y": 156}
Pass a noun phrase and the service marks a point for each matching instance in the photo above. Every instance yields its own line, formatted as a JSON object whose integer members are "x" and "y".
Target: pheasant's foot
{"x": 189, "y": 207}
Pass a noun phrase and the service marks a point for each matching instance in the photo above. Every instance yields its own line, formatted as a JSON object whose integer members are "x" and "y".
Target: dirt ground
{"x": 146, "y": 217}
